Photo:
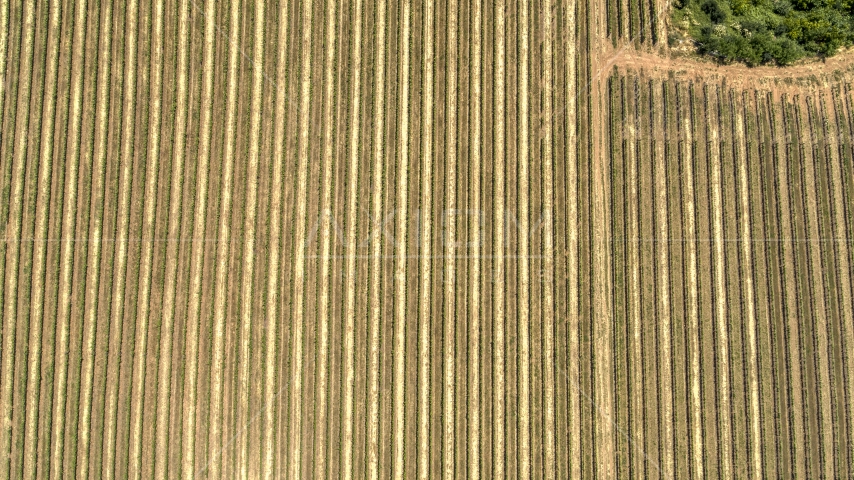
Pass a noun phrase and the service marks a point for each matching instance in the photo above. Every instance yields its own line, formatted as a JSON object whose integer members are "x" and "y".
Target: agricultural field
{"x": 375, "y": 238}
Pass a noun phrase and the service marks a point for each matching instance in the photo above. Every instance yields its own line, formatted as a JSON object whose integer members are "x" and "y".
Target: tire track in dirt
{"x": 39, "y": 263}
{"x": 748, "y": 294}
{"x": 121, "y": 247}
{"x": 497, "y": 276}
{"x": 548, "y": 241}
{"x": 174, "y": 231}
{"x": 818, "y": 298}
{"x": 190, "y": 401}
{"x": 96, "y": 212}
{"x": 213, "y": 464}
{"x": 450, "y": 235}
{"x": 524, "y": 296}
{"x": 424, "y": 255}
{"x": 140, "y": 351}
{"x": 68, "y": 235}
{"x": 352, "y": 227}
{"x": 13, "y": 236}
{"x": 250, "y": 211}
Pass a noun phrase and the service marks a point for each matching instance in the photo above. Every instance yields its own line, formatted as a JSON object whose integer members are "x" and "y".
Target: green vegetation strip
{"x": 759, "y": 32}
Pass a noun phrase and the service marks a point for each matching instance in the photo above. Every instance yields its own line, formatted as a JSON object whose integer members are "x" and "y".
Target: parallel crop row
{"x": 732, "y": 270}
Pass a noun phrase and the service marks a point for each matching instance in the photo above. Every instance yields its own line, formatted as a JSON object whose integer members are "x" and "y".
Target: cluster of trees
{"x": 778, "y": 32}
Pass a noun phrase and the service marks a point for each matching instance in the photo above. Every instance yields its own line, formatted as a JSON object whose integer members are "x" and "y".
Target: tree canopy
{"x": 759, "y": 32}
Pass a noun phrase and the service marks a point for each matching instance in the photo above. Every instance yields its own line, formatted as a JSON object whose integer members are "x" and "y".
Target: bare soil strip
{"x": 523, "y": 325}
{"x": 143, "y": 306}
{"x": 295, "y": 427}
{"x": 326, "y": 219}
{"x": 96, "y": 212}
{"x": 121, "y": 249}
{"x": 250, "y": 212}
{"x": 15, "y": 221}
{"x": 604, "y": 428}
{"x": 352, "y": 211}
{"x": 720, "y": 293}
{"x": 574, "y": 375}
{"x": 548, "y": 241}
{"x": 400, "y": 247}
{"x": 271, "y": 350}
{"x": 635, "y": 322}
{"x": 191, "y": 348}
{"x": 39, "y": 263}
{"x": 68, "y": 232}
{"x": 497, "y": 275}
{"x": 450, "y": 247}
{"x": 216, "y": 446}
{"x": 474, "y": 386}
{"x": 794, "y": 350}
{"x": 690, "y": 220}
{"x": 377, "y": 229}
{"x": 663, "y": 288}
{"x": 748, "y": 296}
{"x": 424, "y": 255}
{"x": 4, "y": 46}
{"x": 175, "y": 212}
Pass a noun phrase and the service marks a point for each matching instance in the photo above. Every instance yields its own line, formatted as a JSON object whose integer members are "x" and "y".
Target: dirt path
{"x": 681, "y": 67}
